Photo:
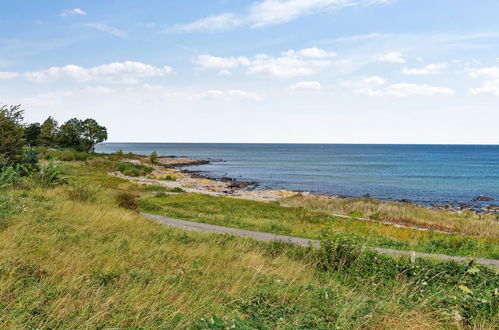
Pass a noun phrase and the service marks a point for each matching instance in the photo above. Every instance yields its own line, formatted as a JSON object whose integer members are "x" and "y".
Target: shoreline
{"x": 252, "y": 189}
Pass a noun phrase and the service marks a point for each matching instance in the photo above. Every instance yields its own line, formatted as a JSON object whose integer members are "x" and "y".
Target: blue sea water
{"x": 425, "y": 174}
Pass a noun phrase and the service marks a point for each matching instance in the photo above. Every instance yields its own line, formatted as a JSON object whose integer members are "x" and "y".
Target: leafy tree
{"x": 48, "y": 133}
{"x": 81, "y": 135}
{"x": 92, "y": 133}
{"x": 69, "y": 134}
{"x": 32, "y": 133}
{"x": 11, "y": 135}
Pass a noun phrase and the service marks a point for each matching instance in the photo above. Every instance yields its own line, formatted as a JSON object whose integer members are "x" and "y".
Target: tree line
{"x": 15, "y": 135}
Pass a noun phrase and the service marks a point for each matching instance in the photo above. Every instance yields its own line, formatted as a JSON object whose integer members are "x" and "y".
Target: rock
{"x": 482, "y": 198}
{"x": 404, "y": 200}
{"x": 367, "y": 196}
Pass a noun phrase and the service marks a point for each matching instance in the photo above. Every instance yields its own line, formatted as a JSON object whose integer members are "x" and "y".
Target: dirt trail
{"x": 266, "y": 237}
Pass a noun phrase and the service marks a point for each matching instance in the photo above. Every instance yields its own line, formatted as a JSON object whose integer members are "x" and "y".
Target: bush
{"x": 130, "y": 169}
{"x": 177, "y": 190}
{"x": 29, "y": 159}
{"x": 82, "y": 192}
{"x": 339, "y": 251}
{"x": 169, "y": 178}
{"x": 127, "y": 200}
{"x": 355, "y": 214}
{"x": 9, "y": 176}
{"x": 153, "y": 157}
{"x": 48, "y": 175}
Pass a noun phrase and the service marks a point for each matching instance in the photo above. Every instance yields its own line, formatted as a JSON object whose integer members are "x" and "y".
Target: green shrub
{"x": 66, "y": 155}
{"x": 9, "y": 176}
{"x": 29, "y": 159}
{"x": 127, "y": 200}
{"x": 153, "y": 157}
{"x": 169, "y": 178}
{"x": 177, "y": 190}
{"x": 340, "y": 250}
{"x": 375, "y": 216}
{"x": 355, "y": 214}
{"x": 82, "y": 192}
{"x": 130, "y": 169}
{"x": 48, "y": 175}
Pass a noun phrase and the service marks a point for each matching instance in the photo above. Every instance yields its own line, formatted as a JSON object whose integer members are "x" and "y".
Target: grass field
{"x": 71, "y": 257}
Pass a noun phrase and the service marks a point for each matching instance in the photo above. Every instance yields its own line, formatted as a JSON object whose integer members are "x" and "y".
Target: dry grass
{"x": 70, "y": 264}
{"x": 401, "y": 213}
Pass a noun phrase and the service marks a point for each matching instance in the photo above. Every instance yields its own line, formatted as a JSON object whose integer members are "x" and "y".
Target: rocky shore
{"x": 173, "y": 167}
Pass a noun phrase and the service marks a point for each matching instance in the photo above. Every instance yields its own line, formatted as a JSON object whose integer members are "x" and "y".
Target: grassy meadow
{"x": 79, "y": 255}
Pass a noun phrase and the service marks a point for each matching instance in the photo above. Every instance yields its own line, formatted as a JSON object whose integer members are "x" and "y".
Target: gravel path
{"x": 266, "y": 237}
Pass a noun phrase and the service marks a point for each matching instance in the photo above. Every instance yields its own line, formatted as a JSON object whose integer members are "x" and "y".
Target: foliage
{"x": 48, "y": 175}
{"x": 11, "y": 135}
{"x": 32, "y": 133}
{"x": 177, "y": 190}
{"x": 339, "y": 251}
{"x": 81, "y": 135}
{"x": 169, "y": 178}
{"x": 64, "y": 155}
{"x": 127, "y": 200}
{"x": 153, "y": 157}
{"x": 130, "y": 169}
{"x": 29, "y": 159}
{"x": 9, "y": 176}
{"x": 48, "y": 133}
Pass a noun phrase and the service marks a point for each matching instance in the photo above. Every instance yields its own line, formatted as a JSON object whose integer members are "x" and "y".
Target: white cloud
{"x": 270, "y": 12}
{"x": 430, "y": 69}
{"x": 124, "y": 72}
{"x": 108, "y": 29}
{"x": 367, "y": 82}
{"x": 406, "y": 89}
{"x": 100, "y": 90}
{"x": 392, "y": 57}
{"x": 220, "y": 63}
{"x": 490, "y": 72}
{"x": 307, "y": 85}
{"x": 228, "y": 95}
{"x": 8, "y": 75}
{"x": 490, "y": 87}
{"x": 73, "y": 12}
{"x": 215, "y": 23}
{"x": 291, "y": 63}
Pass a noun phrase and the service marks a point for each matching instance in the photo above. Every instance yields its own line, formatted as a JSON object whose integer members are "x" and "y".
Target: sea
{"x": 423, "y": 174}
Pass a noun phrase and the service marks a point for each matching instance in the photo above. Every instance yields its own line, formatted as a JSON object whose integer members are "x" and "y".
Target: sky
{"x": 270, "y": 71}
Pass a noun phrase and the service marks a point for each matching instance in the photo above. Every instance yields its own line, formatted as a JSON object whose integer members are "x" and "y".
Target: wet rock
{"x": 404, "y": 200}
{"x": 482, "y": 198}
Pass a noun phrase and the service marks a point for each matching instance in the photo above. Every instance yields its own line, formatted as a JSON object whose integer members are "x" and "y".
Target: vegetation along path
{"x": 267, "y": 237}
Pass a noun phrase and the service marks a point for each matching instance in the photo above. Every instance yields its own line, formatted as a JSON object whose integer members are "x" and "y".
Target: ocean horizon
{"x": 424, "y": 174}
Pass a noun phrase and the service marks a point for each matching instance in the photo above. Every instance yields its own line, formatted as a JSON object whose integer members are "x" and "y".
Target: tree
{"x": 11, "y": 134}
{"x": 92, "y": 133}
{"x": 32, "y": 133}
{"x": 81, "y": 135}
{"x": 153, "y": 157}
{"x": 48, "y": 133}
{"x": 69, "y": 133}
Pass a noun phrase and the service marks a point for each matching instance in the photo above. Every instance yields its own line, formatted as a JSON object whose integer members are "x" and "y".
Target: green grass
{"x": 78, "y": 260}
{"x": 302, "y": 222}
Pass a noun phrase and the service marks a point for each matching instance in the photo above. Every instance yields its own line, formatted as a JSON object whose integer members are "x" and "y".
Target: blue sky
{"x": 314, "y": 71}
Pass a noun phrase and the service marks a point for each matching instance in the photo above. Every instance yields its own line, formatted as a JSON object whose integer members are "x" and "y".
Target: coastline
{"x": 198, "y": 181}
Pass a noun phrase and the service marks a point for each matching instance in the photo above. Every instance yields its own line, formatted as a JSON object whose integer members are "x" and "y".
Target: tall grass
{"x": 309, "y": 223}
{"x": 70, "y": 264}
{"x": 402, "y": 213}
